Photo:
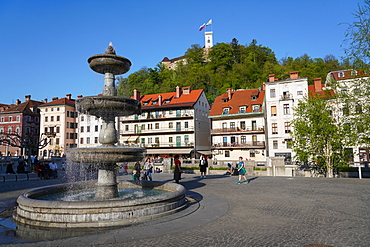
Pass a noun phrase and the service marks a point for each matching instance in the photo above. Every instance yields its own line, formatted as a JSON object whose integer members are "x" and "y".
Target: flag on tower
{"x": 209, "y": 22}
{"x": 203, "y": 26}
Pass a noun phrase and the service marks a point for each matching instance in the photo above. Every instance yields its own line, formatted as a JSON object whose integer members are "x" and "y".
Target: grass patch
{"x": 259, "y": 169}
{"x": 218, "y": 168}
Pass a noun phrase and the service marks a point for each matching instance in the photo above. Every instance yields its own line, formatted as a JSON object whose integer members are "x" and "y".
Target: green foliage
{"x": 317, "y": 136}
{"x": 226, "y": 65}
{"x": 217, "y": 168}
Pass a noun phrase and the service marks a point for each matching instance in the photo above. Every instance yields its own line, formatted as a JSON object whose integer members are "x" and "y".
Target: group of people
{"x": 143, "y": 172}
{"x": 46, "y": 171}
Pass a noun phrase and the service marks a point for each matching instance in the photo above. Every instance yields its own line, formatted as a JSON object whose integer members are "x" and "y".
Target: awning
{"x": 169, "y": 151}
{"x": 131, "y": 139}
{"x": 206, "y": 152}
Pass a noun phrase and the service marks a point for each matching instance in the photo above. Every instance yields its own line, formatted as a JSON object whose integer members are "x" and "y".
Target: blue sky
{"x": 45, "y": 44}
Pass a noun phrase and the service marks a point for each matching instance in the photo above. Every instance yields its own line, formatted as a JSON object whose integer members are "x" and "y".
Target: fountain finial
{"x": 110, "y": 49}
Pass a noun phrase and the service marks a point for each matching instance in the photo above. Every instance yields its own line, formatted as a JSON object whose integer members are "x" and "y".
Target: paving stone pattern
{"x": 269, "y": 211}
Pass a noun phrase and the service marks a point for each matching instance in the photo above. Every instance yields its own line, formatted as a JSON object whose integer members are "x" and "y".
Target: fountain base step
{"x": 101, "y": 213}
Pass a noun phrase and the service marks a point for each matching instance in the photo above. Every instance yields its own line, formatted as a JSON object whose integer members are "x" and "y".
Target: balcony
{"x": 182, "y": 144}
{"x": 286, "y": 96}
{"x": 235, "y": 145}
{"x": 237, "y": 130}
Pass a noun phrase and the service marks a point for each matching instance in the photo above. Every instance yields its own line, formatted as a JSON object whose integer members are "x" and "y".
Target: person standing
{"x": 53, "y": 167}
{"x": 137, "y": 168}
{"x": 177, "y": 171}
{"x": 148, "y": 169}
{"x": 203, "y": 164}
{"x": 242, "y": 172}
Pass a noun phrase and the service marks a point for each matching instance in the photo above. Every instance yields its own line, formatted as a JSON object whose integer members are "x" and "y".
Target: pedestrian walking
{"x": 53, "y": 167}
{"x": 137, "y": 168}
{"x": 177, "y": 171}
{"x": 148, "y": 169}
{"x": 203, "y": 164}
{"x": 242, "y": 172}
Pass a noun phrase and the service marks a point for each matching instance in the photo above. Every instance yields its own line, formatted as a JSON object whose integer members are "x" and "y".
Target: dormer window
{"x": 167, "y": 101}
{"x": 225, "y": 100}
{"x": 354, "y": 73}
{"x": 145, "y": 103}
{"x": 254, "y": 97}
{"x": 340, "y": 74}
{"x": 154, "y": 102}
{"x": 225, "y": 111}
{"x": 256, "y": 108}
{"x": 242, "y": 109}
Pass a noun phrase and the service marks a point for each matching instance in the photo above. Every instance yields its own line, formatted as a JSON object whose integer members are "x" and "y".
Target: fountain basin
{"x": 106, "y": 154}
{"x": 108, "y": 106}
{"x": 101, "y": 213}
{"x": 109, "y": 63}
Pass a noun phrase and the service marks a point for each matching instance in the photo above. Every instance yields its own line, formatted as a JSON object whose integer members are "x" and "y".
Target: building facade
{"x": 59, "y": 124}
{"x": 238, "y": 125}
{"x": 170, "y": 123}
{"x": 20, "y": 124}
{"x": 280, "y": 99}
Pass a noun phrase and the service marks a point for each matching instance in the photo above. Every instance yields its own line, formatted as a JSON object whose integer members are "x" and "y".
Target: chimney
{"x": 229, "y": 93}
{"x": 294, "y": 75}
{"x": 159, "y": 99}
{"x": 271, "y": 77}
{"x": 79, "y": 96}
{"x": 68, "y": 96}
{"x": 27, "y": 97}
{"x": 178, "y": 92}
{"x": 17, "y": 101}
{"x": 45, "y": 100}
{"x": 186, "y": 90}
{"x": 136, "y": 94}
{"x": 54, "y": 98}
{"x": 318, "y": 85}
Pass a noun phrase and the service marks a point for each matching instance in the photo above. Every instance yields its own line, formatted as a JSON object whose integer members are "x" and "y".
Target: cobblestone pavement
{"x": 269, "y": 211}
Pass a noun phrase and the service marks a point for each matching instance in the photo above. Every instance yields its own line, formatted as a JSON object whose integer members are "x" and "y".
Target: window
{"x": 170, "y": 125}
{"x": 81, "y": 140}
{"x": 186, "y": 125}
{"x": 170, "y": 139}
{"x": 186, "y": 139}
{"x": 254, "y": 97}
{"x": 88, "y": 140}
{"x": 82, "y": 118}
{"x": 156, "y": 125}
{"x": 242, "y": 109}
{"x": 287, "y": 127}
{"x": 96, "y": 128}
{"x": 275, "y": 144}
{"x": 82, "y": 129}
{"x": 272, "y": 93}
{"x": 288, "y": 143}
{"x": 286, "y": 109}
{"x": 256, "y": 108}
{"x": 58, "y": 129}
{"x": 252, "y": 153}
{"x": 150, "y": 140}
{"x": 150, "y": 126}
{"x": 46, "y": 119}
{"x": 242, "y": 125}
{"x": 95, "y": 139}
{"x": 225, "y": 111}
{"x": 232, "y": 125}
{"x": 254, "y": 125}
{"x": 143, "y": 127}
{"x": 340, "y": 74}
{"x": 126, "y": 127}
{"x": 52, "y": 118}
{"x": 58, "y": 118}
{"x": 243, "y": 139}
{"x": 227, "y": 153}
{"x": 87, "y": 128}
{"x": 224, "y": 125}
{"x": 273, "y": 110}
{"x": 274, "y": 128}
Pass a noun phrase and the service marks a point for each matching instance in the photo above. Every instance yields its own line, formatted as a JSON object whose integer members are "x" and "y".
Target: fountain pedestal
{"x": 106, "y": 187}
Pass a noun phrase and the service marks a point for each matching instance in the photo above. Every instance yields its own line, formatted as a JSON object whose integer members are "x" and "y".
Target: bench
{"x": 18, "y": 177}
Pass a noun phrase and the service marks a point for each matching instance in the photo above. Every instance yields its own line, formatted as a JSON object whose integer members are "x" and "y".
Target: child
{"x": 135, "y": 176}
{"x": 242, "y": 172}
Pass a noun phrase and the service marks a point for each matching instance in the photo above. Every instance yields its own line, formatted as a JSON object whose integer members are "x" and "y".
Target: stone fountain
{"x": 108, "y": 209}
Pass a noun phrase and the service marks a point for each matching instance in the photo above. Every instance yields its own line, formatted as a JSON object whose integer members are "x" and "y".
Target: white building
{"x": 59, "y": 117}
{"x": 238, "y": 125}
{"x": 280, "y": 99}
{"x": 170, "y": 123}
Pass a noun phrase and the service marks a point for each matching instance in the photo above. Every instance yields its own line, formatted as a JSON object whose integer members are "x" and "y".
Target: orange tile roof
{"x": 184, "y": 99}
{"x": 321, "y": 94}
{"x": 23, "y": 107}
{"x": 238, "y": 98}
{"x": 346, "y": 74}
{"x": 62, "y": 101}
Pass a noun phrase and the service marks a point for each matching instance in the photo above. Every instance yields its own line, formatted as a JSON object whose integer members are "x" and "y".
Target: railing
{"x": 239, "y": 145}
{"x": 160, "y": 145}
{"x": 237, "y": 129}
{"x": 155, "y": 131}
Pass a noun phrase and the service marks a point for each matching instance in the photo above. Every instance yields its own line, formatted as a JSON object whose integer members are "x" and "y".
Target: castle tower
{"x": 208, "y": 39}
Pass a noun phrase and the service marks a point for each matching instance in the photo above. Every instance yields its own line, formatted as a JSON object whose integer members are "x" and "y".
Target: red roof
{"x": 23, "y": 107}
{"x": 238, "y": 98}
{"x": 184, "y": 99}
{"x": 62, "y": 101}
{"x": 347, "y": 74}
{"x": 321, "y": 93}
